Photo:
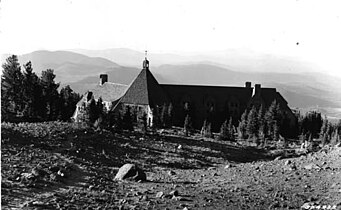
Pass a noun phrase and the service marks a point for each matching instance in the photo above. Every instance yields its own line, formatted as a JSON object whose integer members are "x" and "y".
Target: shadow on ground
{"x": 103, "y": 148}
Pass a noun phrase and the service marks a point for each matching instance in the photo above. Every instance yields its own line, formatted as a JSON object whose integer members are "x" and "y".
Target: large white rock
{"x": 131, "y": 171}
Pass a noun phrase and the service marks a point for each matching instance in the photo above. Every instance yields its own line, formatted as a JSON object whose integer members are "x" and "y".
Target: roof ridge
{"x": 114, "y": 83}
{"x": 145, "y": 89}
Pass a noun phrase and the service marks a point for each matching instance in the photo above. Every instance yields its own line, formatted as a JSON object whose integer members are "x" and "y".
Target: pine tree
{"x": 84, "y": 116}
{"x": 338, "y": 128}
{"x": 302, "y": 138}
{"x": 144, "y": 122}
{"x": 230, "y": 130}
{"x": 118, "y": 124}
{"x": 242, "y": 125}
{"x": 50, "y": 94}
{"x": 273, "y": 120}
{"x": 68, "y": 102}
{"x": 262, "y": 128}
{"x": 32, "y": 94}
{"x": 11, "y": 89}
{"x": 324, "y": 131}
{"x": 187, "y": 125}
{"x": 330, "y": 130}
{"x": 252, "y": 123}
{"x": 311, "y": 122}
{"x": 335, "y": 137}
{"x": 227, "y": 131}
{"x": 170, "y": 115}
{"x": 206, "y": 129}
{"x": 127, "y": 121}
{"x": 92, "y": 110}
{"x": 203, "y": 128}
{"x": 224, "y": 132}
{"x": 156, "y": 117}
{"x": 163, "y": 117}
{"x": 100, "y": 107}
{"x": 99, "y": 113}
{"x": 276, "y": 128}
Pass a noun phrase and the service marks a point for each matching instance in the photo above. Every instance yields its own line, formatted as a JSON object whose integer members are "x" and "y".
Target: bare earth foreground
{"x": 75, "y": 169}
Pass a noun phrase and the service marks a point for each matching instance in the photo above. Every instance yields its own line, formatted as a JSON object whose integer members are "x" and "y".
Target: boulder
{"x": 229, "y": 165}
{"x": 131, "y": 171}
{"x": 311, "y": 166}
{"x": 279, "y": 158}
{"x": 171, "y": 173}
{"x": 174, "y": 193}
{"x": 159, "y": 194}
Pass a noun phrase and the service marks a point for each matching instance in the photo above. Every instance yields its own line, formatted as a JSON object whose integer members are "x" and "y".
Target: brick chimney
{"x": 258, "y": 90}
{"x": 103, "y": 79}
{"x": 248, "y": 84}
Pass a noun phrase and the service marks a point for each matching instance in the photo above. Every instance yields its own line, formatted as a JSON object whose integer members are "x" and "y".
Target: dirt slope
{"x": 75, "y": 170}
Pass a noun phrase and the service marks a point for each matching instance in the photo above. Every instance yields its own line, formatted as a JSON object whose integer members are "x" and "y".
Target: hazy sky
{"x": 309, "y": 30}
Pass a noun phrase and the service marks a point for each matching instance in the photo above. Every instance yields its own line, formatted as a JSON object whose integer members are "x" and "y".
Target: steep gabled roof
{"x": 108, "y": 91}
{"x": 268, "y": 95}
{"x": 145, "y": 90}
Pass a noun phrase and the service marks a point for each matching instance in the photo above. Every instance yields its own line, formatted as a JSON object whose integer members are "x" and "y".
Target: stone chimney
{"x": 248, "y": 84}
{"x": 103, "y": 79}
{"x": 258, "y": 90}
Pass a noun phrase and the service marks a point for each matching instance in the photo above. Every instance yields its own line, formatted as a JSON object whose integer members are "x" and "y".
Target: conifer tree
{"x": 11, "y": 89}
{"x": 118, "y": 122}
{"x": 164, "y": 116}
{"x": 50, "y": 94}
{"x": 262, "y": 128}
{"x": 32, "y": 94}
{"x": 276, "y": 128}
{"x": 68, "y": 101}
{"x": 224, "y": 132}
{"x": 338, "y": 127}
{"x": 127, "y": 119}
{"x": 92, "y": 110}
{"x": 156, "y": 117}
{"x": 252, "y": 123}
{"x": 84, "y": 116}
{"x": 302, "y": 138}
{"x": 187, "y": 124}
{"x": 170, "y": 115}
{"x": 99, "y": 113}
{"x": 311, "y": 122}
{"x": 242, "y": 125}
{"x": 100, "y": 107}
{"x": 206, "y": 129}
{"x": 324, "y": 131}
{"x": 230, "y": 130}
{"x": 338, "y": 130}
{"x": 203, "y": 128}
{"x": 273, "y": 120}
{"x": 227, "y": 131}
{"x": 335, "y": 137}
{"x": 144, "y": 122}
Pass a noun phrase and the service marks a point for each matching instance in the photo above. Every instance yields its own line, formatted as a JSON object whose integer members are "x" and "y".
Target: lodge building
{"x": 212, "y": 103}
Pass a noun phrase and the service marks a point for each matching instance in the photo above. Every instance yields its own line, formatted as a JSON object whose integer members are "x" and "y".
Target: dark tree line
{"x": 330, "y": 133}
{"x": 259, "y": 124}
{"x": 27, "y": 97}
{"x": 227, "y": 131}
{"x": 313, "y": 126}
{"x": 310, "y": 124}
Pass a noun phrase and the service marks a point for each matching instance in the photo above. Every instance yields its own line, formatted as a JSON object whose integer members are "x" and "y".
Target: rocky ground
{"x": 75, "y": 169}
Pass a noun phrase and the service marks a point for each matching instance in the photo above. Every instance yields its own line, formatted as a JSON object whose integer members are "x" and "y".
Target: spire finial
{"x": 145, "y": 62}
